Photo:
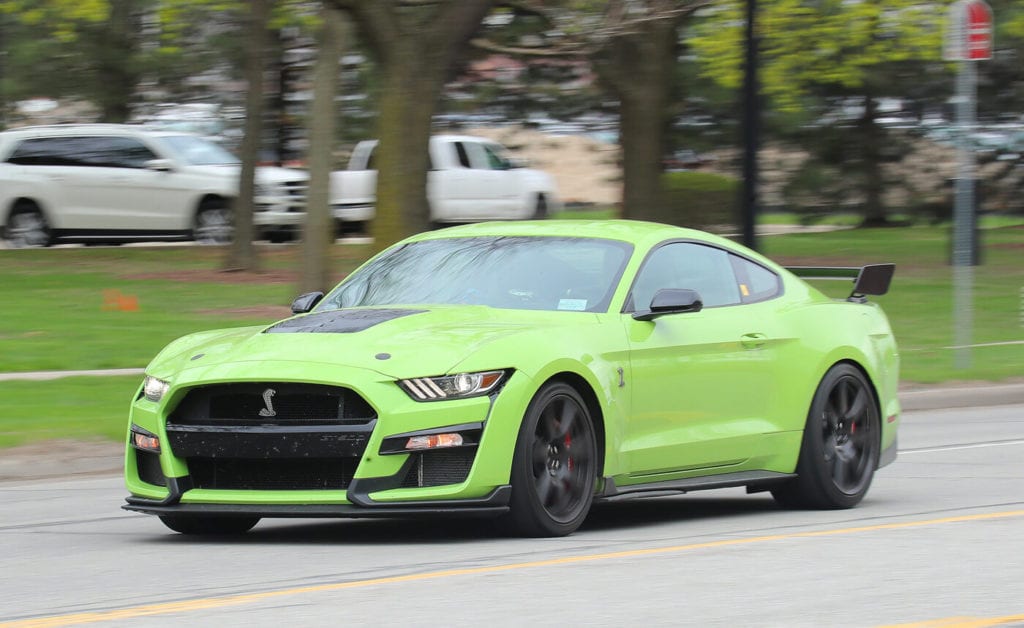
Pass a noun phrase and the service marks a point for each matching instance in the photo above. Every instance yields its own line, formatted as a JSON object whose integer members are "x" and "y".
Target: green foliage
{"x": 700, "y": 199}
{"x": 832, "y": 42}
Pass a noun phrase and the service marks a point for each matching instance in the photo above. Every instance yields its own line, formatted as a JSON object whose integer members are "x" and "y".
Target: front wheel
{"x": 200, "y": 525}
{"x": 841, "y": 442}
{"x": 27, "y": 227}
{"x": 540, "y": 210}
{"x": 554, "y": 466}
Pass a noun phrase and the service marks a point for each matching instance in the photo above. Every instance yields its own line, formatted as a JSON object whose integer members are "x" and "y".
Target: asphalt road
{"x": 939, "y": 540}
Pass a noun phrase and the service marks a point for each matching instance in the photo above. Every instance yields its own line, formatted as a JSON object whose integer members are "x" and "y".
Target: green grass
{"x": 920, "y": 301}
{"x": 75, "y": 407}
{"x": 52, "y": 313}
{"x": 56, "y": 309}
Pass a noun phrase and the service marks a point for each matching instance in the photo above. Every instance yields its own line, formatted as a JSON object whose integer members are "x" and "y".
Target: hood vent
{"x": 338, "y": 321}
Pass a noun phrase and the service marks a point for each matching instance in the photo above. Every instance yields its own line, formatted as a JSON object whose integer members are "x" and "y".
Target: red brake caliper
{"x": 568, "y": 444}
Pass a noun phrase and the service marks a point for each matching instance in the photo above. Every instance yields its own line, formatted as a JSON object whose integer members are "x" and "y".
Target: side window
{"x": 494, "y": 160}
{"x": 756, "y": 282}
{"x": 687, "y": 265}
{"x": 477, "y": 156}
{"x": 460, "y": 148}
{"x": 122, "y": 152}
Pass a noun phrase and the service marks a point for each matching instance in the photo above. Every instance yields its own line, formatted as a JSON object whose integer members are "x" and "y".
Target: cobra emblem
{"x": 268, "y": 395}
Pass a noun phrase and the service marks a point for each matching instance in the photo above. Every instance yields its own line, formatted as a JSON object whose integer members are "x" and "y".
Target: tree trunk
{"x": 319, "y": 229}
{"x": 639, "y": 68}
{"x": 115, "y": 46}
{"x": 417, "y": 46}
{"x": 407, "y": 103}
{"x": 875, "y": 214}
{"x": 242, "y": 254}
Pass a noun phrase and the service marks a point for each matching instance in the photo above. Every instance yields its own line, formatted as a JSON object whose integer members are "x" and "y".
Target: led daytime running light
{"x": 457, "y": 386}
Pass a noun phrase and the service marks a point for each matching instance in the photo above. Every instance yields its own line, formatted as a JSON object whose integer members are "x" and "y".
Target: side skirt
{"x": 755, "y": 481}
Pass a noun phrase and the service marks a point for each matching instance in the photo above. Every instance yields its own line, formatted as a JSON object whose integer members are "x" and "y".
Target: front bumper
{"x": 359, "y": 212}
{"x": 375, "y": 484}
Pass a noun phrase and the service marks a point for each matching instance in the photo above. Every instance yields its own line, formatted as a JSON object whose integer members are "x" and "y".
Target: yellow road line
{"x": 962, "y": 622}
{"x": 165, "y": 608}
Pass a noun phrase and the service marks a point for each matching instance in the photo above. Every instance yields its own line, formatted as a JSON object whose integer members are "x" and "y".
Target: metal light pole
{"x": 968, "y": 39}
{"x": 751, "y": 130}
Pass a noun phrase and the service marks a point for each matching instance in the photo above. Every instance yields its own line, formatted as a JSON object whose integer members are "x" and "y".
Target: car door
{"x": 116, "y": 189}
{"x": 489, "y": 185}
{"x": 702, "y": 382}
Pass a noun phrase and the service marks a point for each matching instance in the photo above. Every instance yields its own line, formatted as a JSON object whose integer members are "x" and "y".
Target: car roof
{"x": 643, "y": 235}
{"x": 634, "y": 231}
{"x": 49, "y": 130}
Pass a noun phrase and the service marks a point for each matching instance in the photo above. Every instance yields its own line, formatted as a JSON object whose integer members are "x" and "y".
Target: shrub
{"x": 700, "y": 199}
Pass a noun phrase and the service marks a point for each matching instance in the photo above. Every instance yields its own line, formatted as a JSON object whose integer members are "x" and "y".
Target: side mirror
{"x": 306, "y": 302}
{"x": 160, "y": 165}
{"x": 671, "y": 301}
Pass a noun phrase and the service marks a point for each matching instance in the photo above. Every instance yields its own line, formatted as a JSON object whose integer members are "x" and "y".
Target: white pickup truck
{"x": 470, "y": 179}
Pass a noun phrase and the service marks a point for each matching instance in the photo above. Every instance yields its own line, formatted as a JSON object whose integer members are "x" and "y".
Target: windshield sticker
{"x": 576, "y": 305}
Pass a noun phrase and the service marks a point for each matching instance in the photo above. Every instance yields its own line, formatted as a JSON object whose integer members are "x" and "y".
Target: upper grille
{"x": 272, "y": 404}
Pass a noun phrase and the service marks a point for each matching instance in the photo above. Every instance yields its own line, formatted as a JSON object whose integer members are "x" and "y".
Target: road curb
{"x": 39, "y": 376}
{"x": 961, "y": 396}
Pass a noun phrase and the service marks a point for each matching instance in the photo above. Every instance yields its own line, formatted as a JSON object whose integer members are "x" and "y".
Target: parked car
{"x": 122, "y": 183}
{"x": 524, "y": 370}
{"x": 470, "y": 179}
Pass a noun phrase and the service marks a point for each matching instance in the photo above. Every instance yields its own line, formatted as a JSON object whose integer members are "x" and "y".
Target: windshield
{"x": 197, "y": 151}
{"x": 524, "y": 273}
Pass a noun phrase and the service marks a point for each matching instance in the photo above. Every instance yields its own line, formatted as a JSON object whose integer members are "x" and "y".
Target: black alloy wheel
{"x": 841, "y": 443}
{"x": 554, "y": 468}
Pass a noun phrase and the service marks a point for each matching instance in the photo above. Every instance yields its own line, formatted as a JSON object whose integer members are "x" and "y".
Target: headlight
{"x": 264, "y": 189}
{"x": 154, "y": 389}
{"x": 458, "y": 386}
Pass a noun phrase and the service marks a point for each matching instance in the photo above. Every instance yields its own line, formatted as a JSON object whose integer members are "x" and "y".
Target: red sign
{"x": 969, "y": 31}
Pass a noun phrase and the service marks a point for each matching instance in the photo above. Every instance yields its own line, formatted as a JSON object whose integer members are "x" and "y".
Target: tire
{"x": 280, "y": 236}
{"x": 213, "y": 224}
{"x": 540, "y": 211}
{"x": 27, "y": 227}
{"x": 554, "y": 467}
{"x": 840, "y": 446}
{"x": 200, "y": 525}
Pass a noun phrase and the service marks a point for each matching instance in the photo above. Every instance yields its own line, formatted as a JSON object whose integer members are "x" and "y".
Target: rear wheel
{"x": 27, "y": 227}
{"x": 213, "y": 224}
{"x": 840, "y": 447}
{"x": 554, "y": 467}
{"x": 540, "y": 210}
{"x": 197, "y": 524}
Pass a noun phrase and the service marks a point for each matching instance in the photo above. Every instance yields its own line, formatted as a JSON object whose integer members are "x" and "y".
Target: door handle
{"x": 753, "y": 341}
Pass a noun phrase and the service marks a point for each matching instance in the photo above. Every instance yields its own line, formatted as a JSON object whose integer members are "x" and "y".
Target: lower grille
{"x": 272, "y": 475}
{"x": 437, "y": 468}
{"x": 148, "y": 464}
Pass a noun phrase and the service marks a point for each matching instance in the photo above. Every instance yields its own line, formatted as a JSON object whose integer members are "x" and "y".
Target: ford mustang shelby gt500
{"x": 524, "y": 370}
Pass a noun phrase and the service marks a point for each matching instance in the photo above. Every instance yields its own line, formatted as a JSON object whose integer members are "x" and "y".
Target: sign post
{"x": 968, "y": 39}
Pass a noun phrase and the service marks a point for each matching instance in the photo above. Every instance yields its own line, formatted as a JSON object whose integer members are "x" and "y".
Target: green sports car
{"x": 524, "y": 371}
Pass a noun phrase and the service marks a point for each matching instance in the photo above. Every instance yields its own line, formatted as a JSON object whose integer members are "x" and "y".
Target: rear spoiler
{"x": 871, "y": 279}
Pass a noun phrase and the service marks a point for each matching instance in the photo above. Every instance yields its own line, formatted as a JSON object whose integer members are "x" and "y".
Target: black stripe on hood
{"x": 338, "y": 321}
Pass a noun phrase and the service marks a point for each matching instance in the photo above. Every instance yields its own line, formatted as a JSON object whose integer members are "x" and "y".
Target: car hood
{"x": 264, "y": 174}
{"x": 397, "y": 342}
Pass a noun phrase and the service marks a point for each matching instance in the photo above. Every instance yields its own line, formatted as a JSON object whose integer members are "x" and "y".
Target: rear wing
{"x": 871, "y": 279}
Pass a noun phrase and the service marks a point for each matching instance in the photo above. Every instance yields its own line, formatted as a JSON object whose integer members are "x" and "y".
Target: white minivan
{"x": 122, "y": 183}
